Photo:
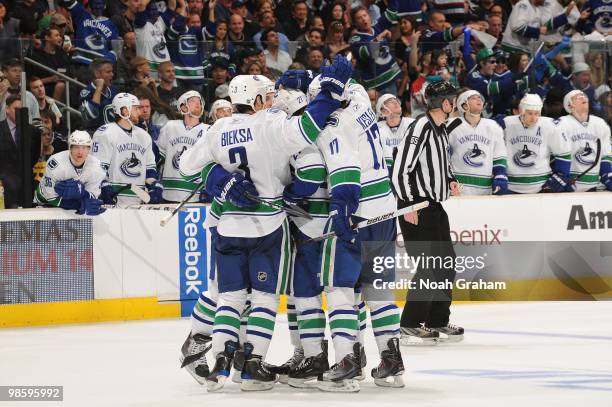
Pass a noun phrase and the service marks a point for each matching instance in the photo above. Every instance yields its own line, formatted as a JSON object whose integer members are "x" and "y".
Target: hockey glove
{"x": 107, "y": 194}
{"x": 340, "y": 215}
{"x": 607, "y": 181}
{"x": 558, "y": 183}
{"x": 204, "y": 197}
{"x": 335, "y": 76}
{"x": 295, "y": 79}
{"x": 155, "y": 190}
{"x": 500, "y": 184}
{"x": 70, "y": 189}
{"x": 234, "y": 188}
{"x": 90, "y": 206}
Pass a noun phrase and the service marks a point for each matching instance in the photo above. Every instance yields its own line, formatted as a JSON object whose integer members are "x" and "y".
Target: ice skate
{"x": 193, "y": 356}
{"x": 421, "y": 336}
{"x": 216, "y": 380}
{"x": 391, "y": 368}
{"x": 450, "y": 333}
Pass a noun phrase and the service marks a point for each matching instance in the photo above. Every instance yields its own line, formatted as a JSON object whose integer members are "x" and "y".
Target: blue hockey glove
{"x": 90, "y": 206}
{"x": 107, "y": 194}
{"x": 335, "y": 76}
{"x": 500, "y": 184}
{"x": 204, "y": 197}
{"x": 155, "y": 190}
{"x": 558, "y": 183}
{"x": 340, "y": 214}
{"x": 295, "y": 79}
{"x": 234, "y": 187}
{"x": 607, "y": 181}
{"x": 70, "y": 189}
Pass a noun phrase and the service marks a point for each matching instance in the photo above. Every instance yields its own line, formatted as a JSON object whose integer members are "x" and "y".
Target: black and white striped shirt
{"x": 422, "y": 166}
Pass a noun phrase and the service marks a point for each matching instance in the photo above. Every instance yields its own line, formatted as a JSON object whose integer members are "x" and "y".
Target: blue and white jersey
{"x": 94, "y": 114}
{"x": 601, "y": 15}
{"x": 93, "y": 36}
{"x": 186, "y": 51}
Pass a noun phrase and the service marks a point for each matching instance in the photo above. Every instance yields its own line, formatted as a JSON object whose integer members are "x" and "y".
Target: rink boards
{"x": 56, "y": 267}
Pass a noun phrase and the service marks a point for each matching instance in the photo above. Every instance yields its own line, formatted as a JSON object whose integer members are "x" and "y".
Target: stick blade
{"x": 140, "y": 193}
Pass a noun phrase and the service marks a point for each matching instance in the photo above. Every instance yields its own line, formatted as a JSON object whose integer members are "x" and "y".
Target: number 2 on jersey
{"x": 243, "y": 161}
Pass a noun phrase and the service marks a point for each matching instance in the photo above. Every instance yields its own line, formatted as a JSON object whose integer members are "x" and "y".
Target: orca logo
{"x": 584, "y": 155}
{"x": 474, "y": 157}
{"x": 177, "y": 157}
{"x": 160, "y": 50}
{"x": 95, "y": 42}
{"x": 384, "y": 56}
{"x": 131, "y": 166}
{"x": 525, "y": 157}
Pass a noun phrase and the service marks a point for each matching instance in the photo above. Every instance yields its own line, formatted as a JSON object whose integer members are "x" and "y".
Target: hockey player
{"x": 73, "y": 178}
{"x": 478, "y": 152}
{"x": 532, "y": 141}
{"x": 583, "y": 130}
{"x": 176, "y": 137}
{"x": 392, "y": 125}
{"x": 219, "y": 109}
{"x": 252, "y": 248}
{"x": 126, "y": 154}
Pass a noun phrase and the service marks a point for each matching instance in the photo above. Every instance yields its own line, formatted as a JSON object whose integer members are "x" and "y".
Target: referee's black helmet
{"x": 437, "y": 92}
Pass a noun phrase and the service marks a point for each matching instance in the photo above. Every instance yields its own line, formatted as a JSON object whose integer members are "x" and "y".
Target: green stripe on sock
{"x": 344, "y": 324}
{"x": 234, "y": 322}
{"x": 261, "y": 322}
{"x": 386, "y": 321}
{"x": 205, "y": 310}
{"x": 318, "y": 323}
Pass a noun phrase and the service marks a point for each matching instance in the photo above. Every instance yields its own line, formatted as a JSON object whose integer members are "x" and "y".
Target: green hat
{"x": 43, "y": 24}
{"x": 483, "y": 54}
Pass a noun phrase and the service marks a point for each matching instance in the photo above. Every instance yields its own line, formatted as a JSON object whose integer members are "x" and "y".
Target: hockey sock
{"x": 227, "y": 319}
{"x": 203, "y": 315}
{"x": 244, "y": 318}
{"x": 343, "y": 321}
{"x": 294, "y": 335}
{"x": 311, "y": 324}
{"x": 261, "y": 321}
{"x": 385, "y": 322}
{"x": 362, "y": 315}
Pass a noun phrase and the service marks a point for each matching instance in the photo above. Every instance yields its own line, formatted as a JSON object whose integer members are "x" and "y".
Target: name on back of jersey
{"x": 236, "y": 136}
{"x": 366, "y": 119}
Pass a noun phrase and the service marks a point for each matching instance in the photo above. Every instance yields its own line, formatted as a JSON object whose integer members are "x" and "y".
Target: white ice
{"x": 514, "y": 354}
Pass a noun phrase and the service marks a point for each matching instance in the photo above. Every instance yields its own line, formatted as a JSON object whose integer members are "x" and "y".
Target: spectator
{"x": 403, "y": 44}
{"x": 220, "y": 76}
{"x": 11, "y": 71}
{"x": 96, "y": 100}
{"x": 456, "y": 12}
{"x": 222, "y": 9}
{"x": 52, "y": 55}
{"x": 48, "y": 121}
{"x": 317, "y": 22}
{"x": 599, "y": 76}
{"x": 150, "y": 30}
{"x": 249, "y": 27}
{"x": 495, "y": 27}
{"x": 221, "y": 47}
{"x": 9, "y": 30}
{"x": 236, "y": 32}
{"x": 270, "y": 73}
{"x": 268, "y": 21}
{"x": 159, "y": 112}
{"x": 10, "y": 153}
{"x": 314, "y": 60}
{"x": 140, "y": 75}
{"x": 167, "y": 90}
{"x": 45, "y": 103}
{"x": 335, "y": 42}
{"x": 128, "y": 51}
{"x": 274, "y": 57}
{"x": 254, "y": 68}
{"x": 338, "y": 14}
{"x": 30, "y": 11}
{"x": 296, "y": 26}
{"x": 440, "y": 32}
{"x": 125, "y": 21}
{"x": 315, "y": 39}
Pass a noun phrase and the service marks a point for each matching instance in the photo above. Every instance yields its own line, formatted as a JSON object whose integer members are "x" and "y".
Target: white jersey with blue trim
{"x": 126, "y": 156}
{"x": 583, "y": 138}
{"x": 474, "y": 151}
{"x": 174, "y": 139}
{"x": 393, "y": 136}
{"x": 259, "y": 146}
{"x": 530, "y": 151}
{"x": 352, "y": 147}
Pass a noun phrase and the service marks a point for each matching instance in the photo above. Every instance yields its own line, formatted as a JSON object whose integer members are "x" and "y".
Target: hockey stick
{"x": 595, "y": 162}
{"x": 168, "y": 207}
{"x": 139, "y": 192}
{"x": 178, "y": 207}
{"x": 371, "y": 221}
{"x": 295, "y": 211}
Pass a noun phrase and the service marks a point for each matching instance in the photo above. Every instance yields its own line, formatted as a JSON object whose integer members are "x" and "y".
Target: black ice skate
{"x": 363, "y": 361}
{"x": 450, "y": 333}
{"x": 193, "y": 356}
{"x": 255, "y": 374}
{"x": 391, "y": 368}
{"x": 421, "y": 336}
{"x": 216, "y": 379}
{"x": 238, "y": 365}
{"x": 309, "y": 369}
{"x": 283, "y": 370}
{"x": 342, "y": 376}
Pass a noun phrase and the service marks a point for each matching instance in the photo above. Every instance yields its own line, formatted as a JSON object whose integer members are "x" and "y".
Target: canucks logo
{"x": 188, "y": 44}
{"x": 95, "y": 42}
{"x": 131, "y": 166}
{"x": 525, "y": 157}
{"x": 177, "y": 157}
{"x": 474, "y": 157}
{"x": 583, "y": 155}
{"x": 384, "y": 55}
{"x": 160, "y": 50}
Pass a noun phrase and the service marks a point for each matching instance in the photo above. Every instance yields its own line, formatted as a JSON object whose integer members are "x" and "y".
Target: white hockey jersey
{"x": 60, "y": 168}
{"x": 523, "y": 15}
{"x": 174, "y": 139}
{"x": 352, "y": 147}
{"x": 151, "y": 43}
{"x": 530, "y": 151}
{"x": 260, "y": 147}
{"x": 126, "y": 156}
{"x": 583, "y": 137}
{"x": 474, "y": 152}
{"x": 391, "y": 137}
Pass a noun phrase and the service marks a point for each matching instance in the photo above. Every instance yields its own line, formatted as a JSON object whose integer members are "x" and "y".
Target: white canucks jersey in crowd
{"x": 352, "y": 148}
{"x": 174, "y": 138}
{"x": 151, "y": 43}
{"x": 260, "y": 147}
{"x": 551, "y": 9}
{"x": 60, "y": 168}
{"x": 391, "y": 137}
{"x": 474, "y": 152}
{"x": 583, "y": 139}
{"x": 523, "y": 14}
{"x": 309, "y": 166}
{"x": 530, "y": 151}
{"x": 126, "y": 156}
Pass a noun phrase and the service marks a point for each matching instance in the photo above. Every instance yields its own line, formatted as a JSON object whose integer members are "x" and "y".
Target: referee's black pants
{"x": 430, "y": 237}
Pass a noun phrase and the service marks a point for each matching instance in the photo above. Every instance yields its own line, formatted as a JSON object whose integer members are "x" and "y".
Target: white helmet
{"x": 126, "y": 100}
{"x": 530, "y": 101}
{"x": 463, "y": 98}
{"x": 289, "y": 100}
{"x": 218, "y": 104}
{"x": 79, "y": 138}
{"x": 314, "y": 88}
{"x": 182, "y": 100}
{"x": 380, "y": 103}
{"x": 244, "y": 89}
{"x": 567, "y": 100}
